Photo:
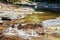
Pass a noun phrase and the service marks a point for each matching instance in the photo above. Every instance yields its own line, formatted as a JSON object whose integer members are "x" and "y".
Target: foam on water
{"x": 21, "y": 33}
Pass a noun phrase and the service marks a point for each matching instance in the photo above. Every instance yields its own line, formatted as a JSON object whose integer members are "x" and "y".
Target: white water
{"x": 51, "y": 23}
{"x": 21, "y": 33}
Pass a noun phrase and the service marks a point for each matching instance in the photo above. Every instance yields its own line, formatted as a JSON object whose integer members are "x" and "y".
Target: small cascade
{"x": 22, "y": 33}
{"x": 34, "y": 33}
{"x": 10, "y": 31}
